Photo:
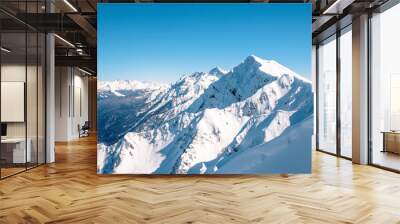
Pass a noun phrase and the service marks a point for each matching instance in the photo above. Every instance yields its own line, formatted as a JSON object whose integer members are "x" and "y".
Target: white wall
{"x": 70, "y": 84}
{"x": 62, "y": 81}
{"x": 80, "y": 94}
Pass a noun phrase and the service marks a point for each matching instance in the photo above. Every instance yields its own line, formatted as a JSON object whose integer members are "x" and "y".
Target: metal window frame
{"x": 339, "y": 32}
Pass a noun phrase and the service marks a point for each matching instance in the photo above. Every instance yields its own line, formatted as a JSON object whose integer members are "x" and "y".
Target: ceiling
{"x": 75, "y": 21}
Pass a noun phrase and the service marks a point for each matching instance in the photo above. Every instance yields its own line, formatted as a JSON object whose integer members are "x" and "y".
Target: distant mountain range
{"x": 256, "y": 118}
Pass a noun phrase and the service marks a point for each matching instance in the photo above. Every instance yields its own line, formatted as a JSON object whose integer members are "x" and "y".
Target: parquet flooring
{"x": 10, "y": 171}
{"x": 70, "y": 191}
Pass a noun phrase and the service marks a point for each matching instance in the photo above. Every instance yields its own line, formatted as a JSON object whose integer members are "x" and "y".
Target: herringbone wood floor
{"x": 69, "y": 191}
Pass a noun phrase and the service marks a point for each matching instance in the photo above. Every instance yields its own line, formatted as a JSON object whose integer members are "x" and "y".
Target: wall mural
{"x": 204, "y": 89}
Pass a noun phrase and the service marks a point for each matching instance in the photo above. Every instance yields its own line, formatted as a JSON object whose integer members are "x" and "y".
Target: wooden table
{"x": 391, "y": 141}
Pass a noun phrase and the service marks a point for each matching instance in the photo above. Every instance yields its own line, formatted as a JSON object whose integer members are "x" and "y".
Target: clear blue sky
{"x": 162, "y": 42}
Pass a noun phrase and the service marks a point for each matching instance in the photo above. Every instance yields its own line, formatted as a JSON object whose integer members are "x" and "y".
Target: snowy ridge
{"x": 198, "y": 123}
{"x": 273, "y": 67}
{"x": 217, "y": 71}
{"x": 118, "y": 86}
{"x": 128, "y": 85}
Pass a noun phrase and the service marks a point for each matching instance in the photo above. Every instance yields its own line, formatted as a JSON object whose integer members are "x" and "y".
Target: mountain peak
{"x": 217, "y": 71}
{"x": 270, "y": 67}
{"x": 253, "y": 58}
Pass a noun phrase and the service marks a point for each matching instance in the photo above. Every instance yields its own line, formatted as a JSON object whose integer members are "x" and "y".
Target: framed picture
{"x": 204, "y": 88}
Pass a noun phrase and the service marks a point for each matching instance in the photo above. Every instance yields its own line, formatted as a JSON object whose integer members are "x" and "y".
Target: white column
{"x": 50, "y": 99}
{"x": 50, "y": 92}
{"x": 360, "y": 90}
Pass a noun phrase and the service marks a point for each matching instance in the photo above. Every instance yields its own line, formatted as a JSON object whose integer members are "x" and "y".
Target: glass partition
{"x": 346, "y": 92}
{"x": 41, "y": 109}
{"x": 22, "y": 78}
{"x": 327, "y": 95}
{"x": 32, "y": 97}
{"x": 13, "y": 109}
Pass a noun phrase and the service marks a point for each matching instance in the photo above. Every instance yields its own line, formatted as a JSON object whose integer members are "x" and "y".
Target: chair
{"x": 84, "y": 130}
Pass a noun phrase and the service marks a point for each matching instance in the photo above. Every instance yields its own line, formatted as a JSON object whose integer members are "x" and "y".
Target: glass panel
{"x": 32, "y": 89}
{"x": 385, "y": 84}
{"x": 23, "y": 90}
{"x": 31, "y": 98}
{"x": 327, "y": 96}
{"x": 41, "y": 98}
{"x": 346, "y": 93}
{"x": 13, "y": 88}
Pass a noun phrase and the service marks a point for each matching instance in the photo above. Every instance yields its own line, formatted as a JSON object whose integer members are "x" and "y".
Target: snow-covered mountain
{"x": 120, "y": 103}
{"x": 208, "y": 119}
{"x": 118, "y": 86}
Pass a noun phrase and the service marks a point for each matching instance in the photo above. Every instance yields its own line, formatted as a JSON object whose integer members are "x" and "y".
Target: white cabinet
{"x": 19, "y": 155}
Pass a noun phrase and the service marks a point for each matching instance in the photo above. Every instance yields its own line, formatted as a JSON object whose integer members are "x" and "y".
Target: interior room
{"x": 385, "y": 111}
{"x": 22, "y": 102}
{"x": 52, "y": 118}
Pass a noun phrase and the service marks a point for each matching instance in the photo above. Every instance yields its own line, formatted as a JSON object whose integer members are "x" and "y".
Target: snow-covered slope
{"x": 287, "y": 153}
{"x": 210, "y": 116}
